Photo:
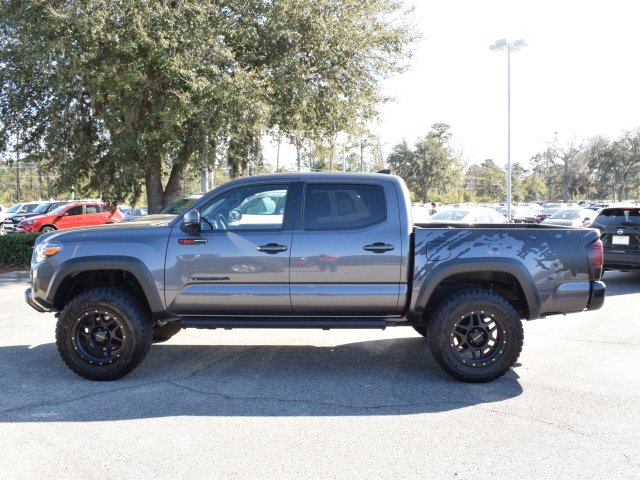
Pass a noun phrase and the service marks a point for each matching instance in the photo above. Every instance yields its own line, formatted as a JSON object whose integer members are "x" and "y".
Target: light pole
{"x": 509, "y": 47}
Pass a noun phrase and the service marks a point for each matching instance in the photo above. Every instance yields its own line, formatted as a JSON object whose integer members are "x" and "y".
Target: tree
{"x": 431, "y": 164}
{"x": 495, "y": 180}
{"x": 571, "y": 163}
{"x": 626, "y": 154}
{"x": 121, "y": 93}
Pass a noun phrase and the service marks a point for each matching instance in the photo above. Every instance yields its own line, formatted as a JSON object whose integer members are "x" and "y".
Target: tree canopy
{"x": 117, "y": 93}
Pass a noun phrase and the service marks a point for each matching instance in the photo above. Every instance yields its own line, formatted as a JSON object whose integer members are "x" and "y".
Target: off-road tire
{"x": 422, "y": 330}
{"x": 445, "y": 340}
{"x": 166, "y": 331}
{"x": 134, "y": 324}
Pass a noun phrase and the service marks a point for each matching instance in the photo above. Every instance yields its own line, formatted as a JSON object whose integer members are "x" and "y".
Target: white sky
{"x": 580, "y": 74}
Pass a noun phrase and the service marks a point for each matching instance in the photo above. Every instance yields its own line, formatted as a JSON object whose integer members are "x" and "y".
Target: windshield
{"x": 567, "y": 214}
{"x": 60, "y": 209}
{"x": 29, "y": 208}
{"x": 13, "y": 208}
{"x": 550, "y": 211}
{"x": 455, "y": 215}
{"x": 42, "y": 208}
{"x": 176, "y": 208}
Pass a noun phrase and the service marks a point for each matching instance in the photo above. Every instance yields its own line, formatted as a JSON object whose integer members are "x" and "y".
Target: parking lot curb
{"x": 19, "y": 275}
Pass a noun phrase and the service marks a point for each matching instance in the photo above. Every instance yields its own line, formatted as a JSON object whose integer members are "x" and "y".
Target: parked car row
{"x": 48, "y": 216}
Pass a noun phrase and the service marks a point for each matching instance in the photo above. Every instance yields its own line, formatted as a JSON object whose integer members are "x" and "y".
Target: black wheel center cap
{"x": 477, "y": 337}
{"x": 100, "y": 335}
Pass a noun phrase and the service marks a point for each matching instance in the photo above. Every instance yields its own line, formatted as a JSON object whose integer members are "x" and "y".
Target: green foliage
{"x": 134, "y": 91}
{"x": 16, "y": 249}
{"x": 431, "y": 164}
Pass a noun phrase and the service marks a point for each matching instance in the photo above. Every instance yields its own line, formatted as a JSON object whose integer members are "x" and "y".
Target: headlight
{"x": 18, "y": 219}
{"x": 30, "y": 222}
{"x": 46, "y": 250}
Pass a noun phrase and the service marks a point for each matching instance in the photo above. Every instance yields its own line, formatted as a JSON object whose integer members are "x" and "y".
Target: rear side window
{"x": 343, "y": 206}
{"x": 619, "y": 216}
{"x": 91, "y": 209}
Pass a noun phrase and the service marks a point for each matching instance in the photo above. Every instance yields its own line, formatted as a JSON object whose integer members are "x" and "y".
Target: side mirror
{"x": 64, "y": 214}
{"x": 191, "y": 220}
{"x": 235, "y": 215}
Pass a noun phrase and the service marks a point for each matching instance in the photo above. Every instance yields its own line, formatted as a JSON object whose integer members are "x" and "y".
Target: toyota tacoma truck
{"x": 317, "y": 250}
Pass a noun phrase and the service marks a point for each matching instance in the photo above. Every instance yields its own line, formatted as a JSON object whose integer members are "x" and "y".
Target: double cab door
{"x": 289, "y": 249}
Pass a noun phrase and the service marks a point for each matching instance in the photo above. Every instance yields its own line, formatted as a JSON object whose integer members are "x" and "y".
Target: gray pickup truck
{"x": 310, "y": 251}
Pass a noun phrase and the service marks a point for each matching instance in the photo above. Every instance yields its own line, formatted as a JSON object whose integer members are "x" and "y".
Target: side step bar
{"x": 281, "y": 322}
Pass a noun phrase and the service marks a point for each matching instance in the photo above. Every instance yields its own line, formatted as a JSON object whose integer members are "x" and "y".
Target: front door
{"x": 70, "y": 218}
{"x": 346, "y": 258}
{"x": 238, "y": 262}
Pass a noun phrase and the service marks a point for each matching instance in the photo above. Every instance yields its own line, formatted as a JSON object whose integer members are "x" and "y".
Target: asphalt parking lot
{"x": 318, "y": 404}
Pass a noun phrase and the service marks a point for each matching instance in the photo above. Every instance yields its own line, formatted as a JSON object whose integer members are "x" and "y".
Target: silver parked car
{"x": 571, "y": 217}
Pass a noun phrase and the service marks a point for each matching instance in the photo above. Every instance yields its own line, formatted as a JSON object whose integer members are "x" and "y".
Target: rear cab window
{"x": 340, "y": 206}
{"x": 617, "y": 217}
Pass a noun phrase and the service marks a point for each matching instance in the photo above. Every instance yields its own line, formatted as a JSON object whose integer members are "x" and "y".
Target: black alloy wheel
{"x": 104, "y": 334}
{"x": 475, "y": 335}
{"x": 98, "y": 337}
{"x": 478, "y": 338}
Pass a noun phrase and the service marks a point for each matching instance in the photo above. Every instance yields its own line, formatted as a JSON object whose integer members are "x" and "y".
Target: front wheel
{"x": 476, "y": 336}
{"x": 47, "y": 229}
{"x": 103, "y": 334}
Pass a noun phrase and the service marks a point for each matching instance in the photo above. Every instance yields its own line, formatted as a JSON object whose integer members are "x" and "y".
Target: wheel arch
{"x": 78, "y": 275}
{"x": 47, "y": 225}
{"x": 492, "y": 274}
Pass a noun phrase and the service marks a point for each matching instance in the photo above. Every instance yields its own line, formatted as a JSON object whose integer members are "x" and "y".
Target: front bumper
{"x": 9, "y": 227}
{"x": 598, "y": 293}
{"x": 32, "y": 303}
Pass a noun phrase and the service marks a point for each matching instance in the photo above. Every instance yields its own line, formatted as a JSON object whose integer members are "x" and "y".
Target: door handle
{"x": 272, "y": 248}
{"x": 378, "y": 246}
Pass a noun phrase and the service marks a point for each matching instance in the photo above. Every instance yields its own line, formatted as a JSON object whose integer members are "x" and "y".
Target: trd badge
{"x": 192, "y": 241}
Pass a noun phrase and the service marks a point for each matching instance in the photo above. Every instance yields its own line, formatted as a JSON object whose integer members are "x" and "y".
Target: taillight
{"x": 594, "y": 256}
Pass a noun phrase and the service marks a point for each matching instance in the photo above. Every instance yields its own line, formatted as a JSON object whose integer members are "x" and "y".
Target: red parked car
{"x": 71, "y": 216}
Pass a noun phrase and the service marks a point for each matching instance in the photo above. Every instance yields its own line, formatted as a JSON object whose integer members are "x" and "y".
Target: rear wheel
{"x": 166, "y": 331}
{"x": 103, "y": 334}
{"x": 476, "y": 336}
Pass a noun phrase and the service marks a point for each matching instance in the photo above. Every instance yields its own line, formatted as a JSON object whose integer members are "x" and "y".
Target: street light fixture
{"x": 509, "y": 47}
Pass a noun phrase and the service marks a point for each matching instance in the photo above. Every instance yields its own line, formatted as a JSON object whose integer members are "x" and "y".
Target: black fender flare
{"x": 468, "y": 265}
{"x": 110, "y": 262}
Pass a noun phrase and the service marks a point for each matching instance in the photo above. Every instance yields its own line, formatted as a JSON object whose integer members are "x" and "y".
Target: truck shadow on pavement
{"x": 382, "y": 377}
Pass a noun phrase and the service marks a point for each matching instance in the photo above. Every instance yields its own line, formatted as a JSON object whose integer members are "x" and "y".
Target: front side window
{"x": 73, "y": 211}
{"x": 259, "y": 207}
{"x": 343, "y": 206}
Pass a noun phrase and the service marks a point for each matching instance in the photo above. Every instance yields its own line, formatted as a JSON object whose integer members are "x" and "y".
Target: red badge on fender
{"x": 192, "y": 241}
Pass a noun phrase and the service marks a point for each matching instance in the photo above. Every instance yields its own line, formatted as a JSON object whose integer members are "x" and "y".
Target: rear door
{"x": 238, "y": 262}
{"x": 346, "y": 253}
{"x": 93, "y": 215}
